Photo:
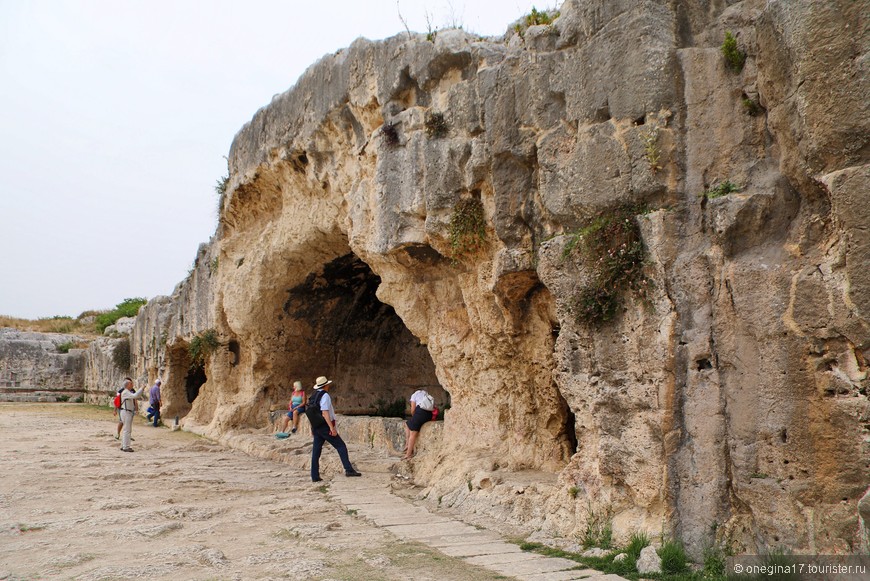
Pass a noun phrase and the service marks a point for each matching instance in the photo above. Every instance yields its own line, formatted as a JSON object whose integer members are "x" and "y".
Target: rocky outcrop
{"x": 40, "y": 366}
{"x": 721, "y": 393}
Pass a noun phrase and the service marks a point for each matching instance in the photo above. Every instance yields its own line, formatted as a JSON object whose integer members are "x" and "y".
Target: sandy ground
{"x": 73, "y": 506}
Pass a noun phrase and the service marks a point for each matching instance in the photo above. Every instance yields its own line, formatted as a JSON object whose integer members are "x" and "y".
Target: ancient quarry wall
{"x": 34, "y": 368}
{"x": 724, "y": 396}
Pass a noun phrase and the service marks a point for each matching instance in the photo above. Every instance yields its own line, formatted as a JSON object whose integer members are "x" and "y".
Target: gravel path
{"x": 73, "y": 506}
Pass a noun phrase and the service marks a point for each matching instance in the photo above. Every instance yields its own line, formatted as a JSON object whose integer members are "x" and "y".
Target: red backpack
{"x": 117, "y": 400}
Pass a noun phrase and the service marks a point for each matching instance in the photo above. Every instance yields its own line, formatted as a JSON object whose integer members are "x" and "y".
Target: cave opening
{"x": 335, "y": 326}
{"x": 194, "y": 379}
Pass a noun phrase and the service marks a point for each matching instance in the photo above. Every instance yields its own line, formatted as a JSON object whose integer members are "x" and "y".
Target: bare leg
{"x": 412, "y": 441}
{"x": 407, "y": 437}
{"x": 295, "y": 420}
{"x": 286, "y": 421}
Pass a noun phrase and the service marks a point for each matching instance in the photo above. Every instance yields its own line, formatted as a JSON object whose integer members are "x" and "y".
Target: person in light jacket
{"x": 128, "y": 410}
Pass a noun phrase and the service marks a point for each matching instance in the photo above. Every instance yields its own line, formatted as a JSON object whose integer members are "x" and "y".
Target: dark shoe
{"x": 126, "y": 449}
{"x": 293, "y": 431}
{"x": 352, "y": 473}
{"x": 317, "y": 480}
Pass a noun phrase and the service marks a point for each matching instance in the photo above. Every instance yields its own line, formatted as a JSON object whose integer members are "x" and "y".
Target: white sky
{"x": 115, "y": 116}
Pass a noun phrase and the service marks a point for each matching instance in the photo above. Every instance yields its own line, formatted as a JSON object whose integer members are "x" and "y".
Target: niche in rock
{"x": 335, "y": 326}
{"x": 182, "y": 383}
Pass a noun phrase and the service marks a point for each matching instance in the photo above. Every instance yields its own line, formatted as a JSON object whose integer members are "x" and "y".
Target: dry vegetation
{"x": 84, "y": 325}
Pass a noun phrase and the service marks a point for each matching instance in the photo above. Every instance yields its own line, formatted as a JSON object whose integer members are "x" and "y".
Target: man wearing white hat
{"x": 322, "y": 417}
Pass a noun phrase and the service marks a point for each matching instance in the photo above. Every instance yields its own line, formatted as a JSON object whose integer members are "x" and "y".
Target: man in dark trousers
{"x": 322, "y": 417}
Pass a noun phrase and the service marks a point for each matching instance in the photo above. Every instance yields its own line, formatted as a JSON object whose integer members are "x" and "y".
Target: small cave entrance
{"x": 182, "y": 382}
{"x": 335, "y": 326}
{"x": 194, "y": 379}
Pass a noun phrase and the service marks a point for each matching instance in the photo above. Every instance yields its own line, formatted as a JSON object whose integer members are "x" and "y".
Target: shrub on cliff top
{"x": 544, "y": 17}
{"x": 126, "y": 308}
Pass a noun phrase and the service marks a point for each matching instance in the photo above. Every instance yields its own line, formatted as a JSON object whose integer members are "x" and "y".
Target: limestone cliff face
{"x": 732, "y": 399}
{"x": 33, "y": 367}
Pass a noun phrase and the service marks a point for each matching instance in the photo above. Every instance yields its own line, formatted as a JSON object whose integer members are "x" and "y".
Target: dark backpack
{"x": 312, "y": 410}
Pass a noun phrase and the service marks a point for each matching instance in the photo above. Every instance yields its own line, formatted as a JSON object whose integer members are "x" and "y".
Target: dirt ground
{"x": 73, "y": 506}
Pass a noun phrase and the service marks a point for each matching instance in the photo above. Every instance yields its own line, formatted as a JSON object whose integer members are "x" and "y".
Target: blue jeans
{"x": 156, "y": 413}
{"x": 321, "y": 435}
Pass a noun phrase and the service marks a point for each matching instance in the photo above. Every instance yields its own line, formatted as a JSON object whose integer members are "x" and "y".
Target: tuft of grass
{"x": 324, "y": 488}
{"x": 351, "y": 512}
{"x": 674, "y": 559}
{"x": 714, "y": 562}
{"x": 598, "y": 531}
{"x": 436, "y": 125}
{"x": 734, "y": 57}
{"x": 213, "y": 265}
{"x": 573, "y": 492}
{"x": 752, "y": 107}
{"x": 723, "y": 189}
{"x": 613, "y": 250}
{"x": 467, "y": 230}
{"x": 651, "y": 149}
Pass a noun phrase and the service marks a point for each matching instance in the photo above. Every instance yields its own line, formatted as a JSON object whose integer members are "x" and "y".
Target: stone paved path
{"x": 370, "y": 497}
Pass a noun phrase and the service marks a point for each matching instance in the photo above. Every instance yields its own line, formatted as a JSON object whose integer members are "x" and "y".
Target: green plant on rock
{"x": 126, "y": 308}
{"x": 467, "y": 230}
{"x": 674, "y": 559}
{"x": 723, "y": 189}
{"x": 202, "y": 346}
{"x": 752, "y": 107}
{"x": 535, "y": 17}
{"x": 734, "y": 57}
{"x": 121, "y": 355}
{"x": 612, "y": 248}
{"x": 598, "y": 531}
{"x": 436, "y": 125}
{"x": 651, "y": 149}
{"x": 65, "y": 346}
{"x": 213, "y": 265}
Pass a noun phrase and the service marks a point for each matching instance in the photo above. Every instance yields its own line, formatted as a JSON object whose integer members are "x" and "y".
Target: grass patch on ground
{"x": 675, "y": 564}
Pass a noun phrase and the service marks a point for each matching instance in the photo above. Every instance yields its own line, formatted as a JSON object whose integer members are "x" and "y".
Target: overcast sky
{"x": 115, "y": 117}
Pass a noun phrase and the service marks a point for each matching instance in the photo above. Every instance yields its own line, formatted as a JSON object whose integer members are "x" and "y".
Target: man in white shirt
{"x": 128, "y": 410}
{"x": 324, "y": 430}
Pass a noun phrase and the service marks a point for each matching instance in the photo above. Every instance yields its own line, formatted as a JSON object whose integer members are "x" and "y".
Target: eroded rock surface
{"x": 731, "y": 402}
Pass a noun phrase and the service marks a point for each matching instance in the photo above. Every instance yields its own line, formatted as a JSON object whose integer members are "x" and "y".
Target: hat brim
{"x": 319, "y": 385}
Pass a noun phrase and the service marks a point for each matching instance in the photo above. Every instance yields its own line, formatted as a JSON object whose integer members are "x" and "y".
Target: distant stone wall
{"x": 33, "y": 369}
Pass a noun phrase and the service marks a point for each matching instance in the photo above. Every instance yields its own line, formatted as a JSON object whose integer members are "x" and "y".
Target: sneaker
{"x": 117, "y": 436}
{"x": 126, "y": 449}
{"x": 317, "y": 480}
{"x": 293, "y": 431}
{"x": 352, "y": 473}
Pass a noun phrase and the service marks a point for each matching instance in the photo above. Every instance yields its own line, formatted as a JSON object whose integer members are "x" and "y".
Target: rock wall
{"x": 33, "y": 368}
{"x": 726, "y": 402}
